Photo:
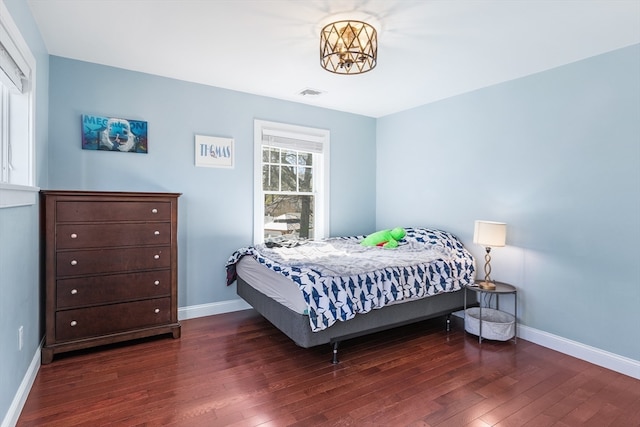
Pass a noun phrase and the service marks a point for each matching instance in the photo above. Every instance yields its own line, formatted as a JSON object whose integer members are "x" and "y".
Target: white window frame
{"x": 17, "y": 139}
{"x": 321, "y": 173}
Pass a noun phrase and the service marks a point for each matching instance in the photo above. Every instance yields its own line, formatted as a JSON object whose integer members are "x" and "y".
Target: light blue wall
{"x": 556, "y": 155}
{"x": 216, "y": 209}
{"x": 19, "y": 259}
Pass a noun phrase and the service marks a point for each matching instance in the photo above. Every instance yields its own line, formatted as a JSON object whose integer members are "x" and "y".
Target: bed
{"x": 332, "y": 290}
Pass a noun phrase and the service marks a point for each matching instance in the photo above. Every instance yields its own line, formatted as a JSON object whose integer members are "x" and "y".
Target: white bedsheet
{"x": 272, "y": 284}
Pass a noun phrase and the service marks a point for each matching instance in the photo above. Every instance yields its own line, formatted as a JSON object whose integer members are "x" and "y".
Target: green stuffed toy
{"x": 385, "y": 238}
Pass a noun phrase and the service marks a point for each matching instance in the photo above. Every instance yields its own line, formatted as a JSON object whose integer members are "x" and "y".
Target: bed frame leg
{"x": 334, "y": 360}
{"x": 448, "y": 322}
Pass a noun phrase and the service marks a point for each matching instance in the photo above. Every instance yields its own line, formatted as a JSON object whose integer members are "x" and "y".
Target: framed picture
{"x": 214, "y": 152}
{"x": 113, "y": 134}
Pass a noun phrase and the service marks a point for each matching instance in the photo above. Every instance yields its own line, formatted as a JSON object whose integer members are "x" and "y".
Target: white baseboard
{"x": 12, "y": 415}
{"x": 202, "y": 310}
{"x": 621, "y": 364}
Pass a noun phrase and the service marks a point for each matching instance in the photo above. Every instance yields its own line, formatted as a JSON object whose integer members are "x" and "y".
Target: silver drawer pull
{"x": 154, "y": 210}
{"x": 157, "y": 233}
{"x": 74, "y": 236}
{"x": 157, "y": 282}
{"x": 74, "y": 262}
{"x": 156, "y": 311}
{"x": 73, "y": 323}
{"x": 156, "y": 256}
{"x": 74, "y": 291}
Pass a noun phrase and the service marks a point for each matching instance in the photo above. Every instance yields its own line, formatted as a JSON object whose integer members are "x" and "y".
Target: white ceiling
{"x": 427, "y": 50}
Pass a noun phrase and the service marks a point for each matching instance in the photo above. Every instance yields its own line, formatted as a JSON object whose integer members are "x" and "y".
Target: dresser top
{"x": 107, "y": 193}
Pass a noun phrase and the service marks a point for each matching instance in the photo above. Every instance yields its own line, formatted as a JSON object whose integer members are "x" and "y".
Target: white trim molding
{"x": 202, "y": 310}
{"x": 615, "y": 362}
{"x": 12, "y": 415}
{"x": 621, "y": 364}
{"x": 12, "y": 195}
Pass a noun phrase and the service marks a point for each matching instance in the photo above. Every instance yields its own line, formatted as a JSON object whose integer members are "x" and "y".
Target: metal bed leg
{"x": 335, "y": 353}
{"x": 448, "y": 322}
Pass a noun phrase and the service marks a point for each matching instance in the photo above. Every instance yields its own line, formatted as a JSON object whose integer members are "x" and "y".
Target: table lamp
{"x": 489, "y": 234}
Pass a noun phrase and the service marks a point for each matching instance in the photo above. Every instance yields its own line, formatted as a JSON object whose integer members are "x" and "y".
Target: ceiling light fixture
{"x": 348, "y": 47}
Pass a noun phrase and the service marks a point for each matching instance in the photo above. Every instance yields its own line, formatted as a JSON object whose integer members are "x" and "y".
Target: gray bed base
{"x": 296, "y": 326}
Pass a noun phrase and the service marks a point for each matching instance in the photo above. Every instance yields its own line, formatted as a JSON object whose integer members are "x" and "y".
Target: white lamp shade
{"x": 490, "y": 233}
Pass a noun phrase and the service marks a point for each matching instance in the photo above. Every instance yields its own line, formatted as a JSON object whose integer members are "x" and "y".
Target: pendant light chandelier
{"x": 348, "y": 47}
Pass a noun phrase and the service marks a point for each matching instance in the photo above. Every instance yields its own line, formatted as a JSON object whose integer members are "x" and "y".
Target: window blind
{"x": 14, "y": 70}
{"x": 292, "y": 141}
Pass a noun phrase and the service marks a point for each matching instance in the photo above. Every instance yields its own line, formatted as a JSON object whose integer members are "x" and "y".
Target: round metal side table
{"x": 500, "y": 289}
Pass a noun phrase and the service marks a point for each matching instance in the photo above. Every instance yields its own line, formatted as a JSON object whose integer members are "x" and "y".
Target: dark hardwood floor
{"x": 236, "y": 369}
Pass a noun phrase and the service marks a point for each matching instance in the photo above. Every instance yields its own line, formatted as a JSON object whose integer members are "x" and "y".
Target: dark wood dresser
{"x": 110, "y": 267}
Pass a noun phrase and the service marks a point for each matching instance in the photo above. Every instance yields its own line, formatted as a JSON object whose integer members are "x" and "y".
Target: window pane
{"x": 274, "y": 156}
{"x": 270, "y": 178}
{"x": 289, "y": 157}
{"x": 289, "y": 179}
{"x": 265, "y": 154}
{"x": 305, "y": 179}
{"x": 4, "y": 145}
{"x": 305, "y": 159}
{"x": 288, "y": 216}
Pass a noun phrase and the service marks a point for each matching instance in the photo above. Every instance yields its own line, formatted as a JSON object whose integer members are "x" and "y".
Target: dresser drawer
{"x": 84, "y": 291}
{"x": 98, "y": 261}
{"x": 72, "y": 236}
{"x": 98, "y": 211}
{"x": 106, "y": 319}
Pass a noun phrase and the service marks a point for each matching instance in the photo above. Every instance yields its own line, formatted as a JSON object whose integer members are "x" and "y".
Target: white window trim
{"x": 12, "y": 195}
{"x": 295, "y": 132}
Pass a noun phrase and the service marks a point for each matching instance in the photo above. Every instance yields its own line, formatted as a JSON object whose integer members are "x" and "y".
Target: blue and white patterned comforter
{"x": 340, "y": 278}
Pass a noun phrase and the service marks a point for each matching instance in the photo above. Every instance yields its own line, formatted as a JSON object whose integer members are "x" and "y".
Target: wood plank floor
{"x": 236, "y": 369}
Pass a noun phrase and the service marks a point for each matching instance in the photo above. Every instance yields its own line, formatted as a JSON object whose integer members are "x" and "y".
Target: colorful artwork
{"x": 112, "y": 134}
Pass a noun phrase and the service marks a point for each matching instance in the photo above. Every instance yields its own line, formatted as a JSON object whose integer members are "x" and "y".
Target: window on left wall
{"x": 17, "y": 106}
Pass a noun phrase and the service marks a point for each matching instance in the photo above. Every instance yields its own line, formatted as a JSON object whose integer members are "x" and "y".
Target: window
{"x": 17, "y": 103}
{"x": 291, "y": 182}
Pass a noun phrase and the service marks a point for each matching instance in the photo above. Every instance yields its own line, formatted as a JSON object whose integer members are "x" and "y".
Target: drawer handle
{"x": 154, "y": 210}
{"x": 157, "y": 282}
{"x": 157, "y": 233}
{"x": 74, "y": 262}
{"x": 74, "y": 236}
{"x": 156, "y": 257}
{"x": 73, "y": 323}
{"x": 156, "y": 311}
{"x": 74, "y": 291}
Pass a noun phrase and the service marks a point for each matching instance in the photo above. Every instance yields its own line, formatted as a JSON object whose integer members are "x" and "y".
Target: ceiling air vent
{"x": 310, "y": 92}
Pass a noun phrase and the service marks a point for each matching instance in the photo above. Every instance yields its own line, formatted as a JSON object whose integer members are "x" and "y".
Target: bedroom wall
{"x": 550, "y": 154}
{"x": 556, "y": 155}
{"x": 215, "y": 210}
{"x": 19, "y": 280}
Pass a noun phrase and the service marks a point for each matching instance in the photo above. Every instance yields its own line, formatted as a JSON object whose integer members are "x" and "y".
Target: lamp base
{"x": 487, "y": 285}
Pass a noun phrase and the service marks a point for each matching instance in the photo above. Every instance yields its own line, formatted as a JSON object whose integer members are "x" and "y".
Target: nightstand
{"x": 498, "y": 325}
